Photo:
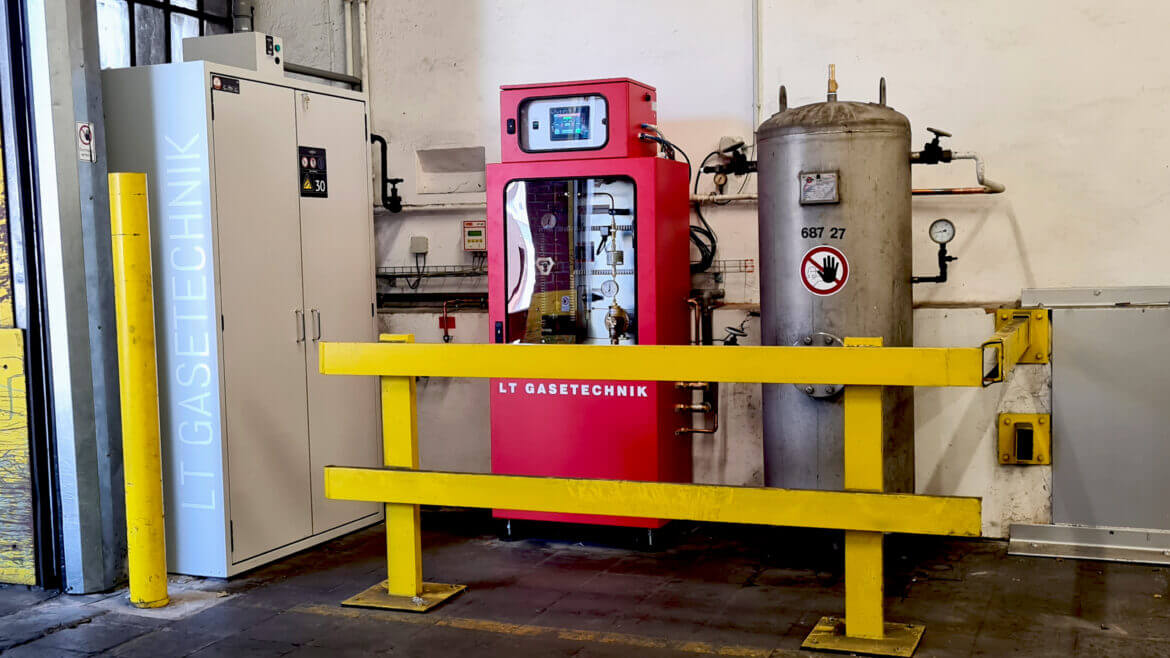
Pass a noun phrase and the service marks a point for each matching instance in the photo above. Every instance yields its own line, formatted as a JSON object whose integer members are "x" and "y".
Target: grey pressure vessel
{"x": 835, "y": 261}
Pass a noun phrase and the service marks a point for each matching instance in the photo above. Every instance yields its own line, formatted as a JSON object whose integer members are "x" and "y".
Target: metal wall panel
{"x": 1111, "y": 417}
{"x": 78, "y": 292}
{"x": 157, "y": 120}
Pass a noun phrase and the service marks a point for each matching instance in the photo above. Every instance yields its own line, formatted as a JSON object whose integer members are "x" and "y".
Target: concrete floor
{"x": 726, "y": 590}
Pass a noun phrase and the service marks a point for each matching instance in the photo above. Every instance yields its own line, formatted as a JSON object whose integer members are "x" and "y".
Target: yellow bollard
{"x": 142, "y": 463}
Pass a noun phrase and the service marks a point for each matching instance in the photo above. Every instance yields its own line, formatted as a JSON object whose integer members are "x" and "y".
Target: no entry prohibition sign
{"x": 824, "y": 270}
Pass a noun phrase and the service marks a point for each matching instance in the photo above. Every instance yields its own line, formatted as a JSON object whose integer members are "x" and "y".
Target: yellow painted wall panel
{"x": 17, "y": 557}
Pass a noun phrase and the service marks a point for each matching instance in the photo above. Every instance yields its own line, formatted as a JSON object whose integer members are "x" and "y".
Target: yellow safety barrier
{"x": 894, "y": 366}
{"x": 142, "y": 464}
{"x": 862, "y": 511}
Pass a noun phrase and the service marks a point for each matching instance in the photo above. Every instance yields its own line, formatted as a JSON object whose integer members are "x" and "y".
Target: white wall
{"x": 1064, "y": 99}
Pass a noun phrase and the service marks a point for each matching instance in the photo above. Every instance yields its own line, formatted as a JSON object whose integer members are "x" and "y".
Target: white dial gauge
{"x": 942, "y": 231}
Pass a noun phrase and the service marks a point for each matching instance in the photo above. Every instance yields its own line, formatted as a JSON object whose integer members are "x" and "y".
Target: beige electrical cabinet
{"x": 262, "y": 237}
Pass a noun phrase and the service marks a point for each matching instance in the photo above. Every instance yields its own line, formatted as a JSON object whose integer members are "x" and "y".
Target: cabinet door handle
{"x": 316, "y": 324}
{"x": 299, "y": 315}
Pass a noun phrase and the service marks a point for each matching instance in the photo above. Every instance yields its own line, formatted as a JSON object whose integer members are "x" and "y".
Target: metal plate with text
{"x": 818, "y": 187}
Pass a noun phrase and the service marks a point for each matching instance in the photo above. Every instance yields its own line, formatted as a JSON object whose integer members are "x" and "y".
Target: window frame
{"x": 199, "y": 13}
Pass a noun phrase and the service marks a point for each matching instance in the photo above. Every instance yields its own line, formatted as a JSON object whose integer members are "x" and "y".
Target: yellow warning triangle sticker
{"x": 307, "y": 186}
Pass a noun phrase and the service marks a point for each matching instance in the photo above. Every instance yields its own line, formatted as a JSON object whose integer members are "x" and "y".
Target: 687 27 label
{"x": 817, "y": 232}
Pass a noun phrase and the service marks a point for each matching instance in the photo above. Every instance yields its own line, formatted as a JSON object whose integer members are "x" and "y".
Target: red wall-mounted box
{"x": 629, "y": 104}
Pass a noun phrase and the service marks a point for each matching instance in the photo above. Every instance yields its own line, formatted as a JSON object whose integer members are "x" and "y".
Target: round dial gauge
{"x": 942, "y": 231}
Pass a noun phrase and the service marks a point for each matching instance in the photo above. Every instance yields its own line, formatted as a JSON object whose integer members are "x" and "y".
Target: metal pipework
{"x": 390, "y": 200}
{"x": 141, "y": 451}
{"x": 449, "y": 305}
{"x": 243, "y": 16}
{"x": 696, "y": 319}
{"x": 943, "y": 260}
{"x": 992, "y": 186}
{"x": 323, "y": 74}
{"x": 934, "y": 154}
{"x": 724, "y": 198}
{"x": 347, "y": 36}
{"x": 697, "y": 430}
{"x": 702, "y": 307}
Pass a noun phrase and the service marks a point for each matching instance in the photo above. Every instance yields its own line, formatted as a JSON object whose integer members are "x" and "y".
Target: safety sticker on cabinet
{"x": 824, "y": 270}
{"x": 313, "y": 179}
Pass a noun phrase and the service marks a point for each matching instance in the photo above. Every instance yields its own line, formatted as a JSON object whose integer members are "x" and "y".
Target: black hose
{"x": 703, "y": 237}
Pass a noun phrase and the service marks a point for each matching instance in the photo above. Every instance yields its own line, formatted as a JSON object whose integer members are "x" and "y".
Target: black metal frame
{"x": 167, "y": 8}
{"x": 21, "y": 180}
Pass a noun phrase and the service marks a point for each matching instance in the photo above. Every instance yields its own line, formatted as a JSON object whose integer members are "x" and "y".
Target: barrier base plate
{"x": 377, "y": 596}
{"x": 829, "y": 635}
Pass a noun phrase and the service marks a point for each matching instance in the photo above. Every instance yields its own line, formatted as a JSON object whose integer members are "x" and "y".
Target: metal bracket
{"x": 1039, "y": 332}
{"x": 1025, "y": 439}
{"x": 898, "y": 639}
{"x": 819, "y": 339}
{"x": 1021, "y": 336}
{"x": 432, "y": 594}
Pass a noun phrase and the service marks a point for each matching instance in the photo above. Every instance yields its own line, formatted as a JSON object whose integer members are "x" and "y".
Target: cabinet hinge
{"x": 213, "y": 106}
{"x": 372, "y": 313}
{"x": 232, "y": 535}
{"x": 221, "y": 322}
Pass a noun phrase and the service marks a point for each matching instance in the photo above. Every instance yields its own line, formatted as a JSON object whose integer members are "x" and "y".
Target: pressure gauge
{"x": 942, "y": 231}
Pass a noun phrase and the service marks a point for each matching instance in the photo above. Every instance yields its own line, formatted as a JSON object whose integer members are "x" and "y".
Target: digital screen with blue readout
{"x": 568, "y": 123}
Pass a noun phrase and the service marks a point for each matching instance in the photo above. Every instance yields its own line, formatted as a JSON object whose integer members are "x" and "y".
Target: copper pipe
{"x": 695, "y": 430}
{"x": 936, "y": 191}
{"x": 455, "y": 303}
{"x": 705, "y": 407}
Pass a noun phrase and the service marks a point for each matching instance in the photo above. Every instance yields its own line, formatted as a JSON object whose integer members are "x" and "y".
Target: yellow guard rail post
{"x": 403, "y": 588}
{"x": 863, "y": 511}
{"x": 142, "y": 463}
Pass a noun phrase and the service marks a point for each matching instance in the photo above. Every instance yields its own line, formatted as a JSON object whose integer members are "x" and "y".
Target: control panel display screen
{"x": 568, "y": 123}
{"x": 563, "y": 123}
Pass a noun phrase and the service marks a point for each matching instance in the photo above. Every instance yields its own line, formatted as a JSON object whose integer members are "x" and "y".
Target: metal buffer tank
{"x": 835, "y": 261}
